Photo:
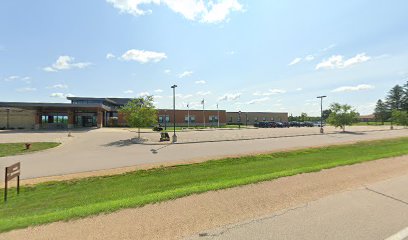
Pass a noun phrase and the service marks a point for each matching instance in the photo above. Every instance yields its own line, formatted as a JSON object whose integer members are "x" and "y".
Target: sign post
{"x": 12, "y": 172}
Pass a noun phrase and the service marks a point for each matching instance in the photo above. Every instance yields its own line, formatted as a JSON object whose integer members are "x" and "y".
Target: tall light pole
{"x": 321, "y": 113}
{"x": 174, "y": 113}
{"x": 239, "y": 119}
{"x": 8, "y": 118}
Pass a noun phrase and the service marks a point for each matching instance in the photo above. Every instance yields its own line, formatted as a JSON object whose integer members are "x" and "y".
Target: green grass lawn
{"x": 371, "y": 124}
{"x": 54, "y": 201}
{"x": 9, "y": 149}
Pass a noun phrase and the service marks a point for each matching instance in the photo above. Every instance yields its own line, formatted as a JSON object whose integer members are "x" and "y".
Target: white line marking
{"x": 399, "y": 235}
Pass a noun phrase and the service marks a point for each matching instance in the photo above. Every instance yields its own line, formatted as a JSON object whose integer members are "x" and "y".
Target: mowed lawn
{"x": 9, "y": 149}
{"x": 55, "y": 201}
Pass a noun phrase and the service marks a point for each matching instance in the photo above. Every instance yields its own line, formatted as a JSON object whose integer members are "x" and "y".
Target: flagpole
{"x": 203, "y": 112}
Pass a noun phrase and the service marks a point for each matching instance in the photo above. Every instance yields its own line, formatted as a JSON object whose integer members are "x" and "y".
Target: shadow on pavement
{"x": 126, "y": 142}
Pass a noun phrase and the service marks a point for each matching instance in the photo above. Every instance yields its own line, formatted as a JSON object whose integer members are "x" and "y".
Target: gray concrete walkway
{"x": 376, "y": 211}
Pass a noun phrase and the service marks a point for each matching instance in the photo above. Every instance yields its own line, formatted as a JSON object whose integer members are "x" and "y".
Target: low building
{"x": 367, "y": 118}
{"x": 192, "y": 118}
{"x": 92, "y": 112}
{"x": 250, "y": 118}
{"x": 104, "y": 112}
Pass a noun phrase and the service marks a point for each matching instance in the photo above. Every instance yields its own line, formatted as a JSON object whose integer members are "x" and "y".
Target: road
{"x": 109, "y": 149}
{"x": 376, "y": 211}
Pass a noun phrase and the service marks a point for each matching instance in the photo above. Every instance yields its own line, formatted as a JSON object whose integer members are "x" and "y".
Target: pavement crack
{"x": 204, "y": 234}
{"x": 387, "y": 196}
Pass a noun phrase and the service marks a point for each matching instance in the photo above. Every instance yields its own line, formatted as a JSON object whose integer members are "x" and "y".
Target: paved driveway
{"x": 111, "y": 148}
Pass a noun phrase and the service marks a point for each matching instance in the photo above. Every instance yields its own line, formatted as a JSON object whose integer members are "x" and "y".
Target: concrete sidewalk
{"x": 376, "y": 211}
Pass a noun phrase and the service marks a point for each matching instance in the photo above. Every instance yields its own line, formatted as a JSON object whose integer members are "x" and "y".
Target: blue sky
{"x": 244, "y": 55}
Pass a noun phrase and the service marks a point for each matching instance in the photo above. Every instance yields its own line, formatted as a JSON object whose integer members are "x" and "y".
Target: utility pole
{"x": 174, "y": 113}
{"x": 321, "y": 113}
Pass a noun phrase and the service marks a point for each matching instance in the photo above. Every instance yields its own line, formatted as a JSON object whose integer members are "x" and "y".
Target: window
{"x": 256, "y": 119}
{"x": 168, "y": 118}
{"x": 264, "y": 118}
{"x": 213, "y": 118}
{"x": 271, "y": 118}
{"x": 160, "y": 119}
{"x": 230, "y": 119}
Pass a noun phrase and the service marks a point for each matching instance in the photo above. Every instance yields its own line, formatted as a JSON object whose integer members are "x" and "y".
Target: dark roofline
{"x": 33, "y": 105}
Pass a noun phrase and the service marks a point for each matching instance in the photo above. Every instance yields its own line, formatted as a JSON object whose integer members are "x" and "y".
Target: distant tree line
{"x": 394, "y": 107}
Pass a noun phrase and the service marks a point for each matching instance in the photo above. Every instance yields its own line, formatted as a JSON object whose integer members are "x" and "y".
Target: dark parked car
{"x": 294, "y": 124}
{"x": 157, "y": 128}
{"x": 308, "y": 124}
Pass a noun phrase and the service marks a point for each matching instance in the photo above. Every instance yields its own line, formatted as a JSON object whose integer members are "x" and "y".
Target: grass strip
{"x": 10, "y": 149}
{"x": 55, "y": 201}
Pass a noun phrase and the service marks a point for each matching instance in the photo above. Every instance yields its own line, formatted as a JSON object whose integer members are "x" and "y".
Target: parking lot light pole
{"x": 174, "y": 113}
{"x": 239, "y": 119}
{"x": 321, "y": 113}
{"x": 165, "y": 119}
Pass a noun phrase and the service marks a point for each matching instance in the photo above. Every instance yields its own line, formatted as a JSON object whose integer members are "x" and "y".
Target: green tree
{"x": 140, "y": 112}
{"x": 381, "y": 112}
{"x": 405, "y": 97}
{"x": 342, "y": 115}
{"x": 394, "y": 98}
{"x": 326, "y": 114}
{"x": 400, "y": 117}
{"x": 303, "y": 117}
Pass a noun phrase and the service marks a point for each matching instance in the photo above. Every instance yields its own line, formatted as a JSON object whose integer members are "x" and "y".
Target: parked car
{"x": 294, "y": 124}
{"x": 308, "y": 124}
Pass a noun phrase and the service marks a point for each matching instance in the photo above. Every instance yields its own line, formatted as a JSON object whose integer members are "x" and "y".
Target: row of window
{"x": 192, "y": 119}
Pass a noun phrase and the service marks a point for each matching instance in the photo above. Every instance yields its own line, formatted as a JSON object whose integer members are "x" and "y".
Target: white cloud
{"x": 338, "y": 61}
{"x": 65, "y": 63}
{"x": 231, "y": 52}
{"x": 157, "y": 96}
{"x": 16, "y": 78}
{"x": 143, "y": 56}
{"x": 270, "y": 92}
{"x": 200, "y": 82}
{"x": 309, "y": 58}
{"x": 182, "y": 96}
{"x": 194, "y": 10}
{"x": 299, "y": 89}
{"x": 144, "y": 94}
{"x": 61, "y": 95}
{"x": 258, "y": 100}
{"x": 202, "y": 93}
{"x": 110, "y": 56}
{"x": 158, "y": 91}
{"x": 167, "y": 71}
{"x": 185, "y": 74}
{"x": 295, "y": 61}
{"x": 353, "y": 88}
{"x": 26, "y": 89}
{"x": 230, "y": 97}
{"x": 59, "y": 86}
{"x": 128, "y": 91}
